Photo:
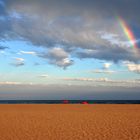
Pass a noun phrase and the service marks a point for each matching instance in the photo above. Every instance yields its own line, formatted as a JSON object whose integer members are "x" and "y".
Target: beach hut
{"x": 65, "y": 101}
{"x": 84, "y": 102}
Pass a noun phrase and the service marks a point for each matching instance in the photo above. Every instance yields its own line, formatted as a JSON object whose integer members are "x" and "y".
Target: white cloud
{"x": 115, "y": 39}
{"x": 134, "y": 67}
{"x": 106, "y": 82}
{"x": 2, "y": 52}
{"x": 87, "y": 79}
{"x": 44, "y": 75}
{"x": 27, "y": 52}
{"x": 19, "y": 59}
{"x": 106, "y": 65}
{"x": 111, "y": 38}
{"x": 10, "y": 83}
{"x": 103, "y": 71}
{"x": 131, "y": 66}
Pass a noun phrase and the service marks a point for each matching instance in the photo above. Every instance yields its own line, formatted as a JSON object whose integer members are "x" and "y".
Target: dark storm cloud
{"x": 2, "y": 8}
{"x": 115, "y": 54}
{"x": 73, "y": 24}
{"x": 4, "y": 20}
{"x": 126, "y": 8}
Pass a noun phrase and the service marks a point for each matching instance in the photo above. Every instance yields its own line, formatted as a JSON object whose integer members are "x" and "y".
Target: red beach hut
{"x": 84, "y": 102}
{"x": 65, "y": 101}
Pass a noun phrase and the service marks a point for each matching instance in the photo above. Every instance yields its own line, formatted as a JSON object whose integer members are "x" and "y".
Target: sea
{"x": 69, "y": 101}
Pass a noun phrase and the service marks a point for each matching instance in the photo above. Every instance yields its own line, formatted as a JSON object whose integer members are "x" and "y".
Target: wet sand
{"x": 69, "y": 122}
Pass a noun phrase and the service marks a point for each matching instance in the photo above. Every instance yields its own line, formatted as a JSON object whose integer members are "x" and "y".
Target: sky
{"x": 69, "y": 49}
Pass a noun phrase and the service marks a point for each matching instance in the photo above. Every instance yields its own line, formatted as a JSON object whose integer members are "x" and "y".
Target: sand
{"x": 69, "y": 122}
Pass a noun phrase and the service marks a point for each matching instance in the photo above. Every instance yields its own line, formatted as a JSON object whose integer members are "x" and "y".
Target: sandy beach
{"x": 69, "y": 122}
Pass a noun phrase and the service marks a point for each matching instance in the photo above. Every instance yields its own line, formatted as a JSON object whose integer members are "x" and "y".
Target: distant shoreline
{"x": 69, "y": 101}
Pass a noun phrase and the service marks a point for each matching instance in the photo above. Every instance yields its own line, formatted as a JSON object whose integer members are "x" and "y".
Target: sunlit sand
{"x": 69, "y": 122}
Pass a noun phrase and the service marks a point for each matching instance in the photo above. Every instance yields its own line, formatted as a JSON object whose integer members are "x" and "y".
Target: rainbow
{"x": 128, "y": 32}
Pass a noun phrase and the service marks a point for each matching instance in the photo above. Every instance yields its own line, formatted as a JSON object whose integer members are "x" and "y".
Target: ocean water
{"x": 69, "y": 101}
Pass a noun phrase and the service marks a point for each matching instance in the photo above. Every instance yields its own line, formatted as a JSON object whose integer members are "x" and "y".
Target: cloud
{"x": 84, "y": 29}
{"x": 58, "y": 57}
{"x": 102, "y": 79}
{"x": 2, "y": 52}
{"x": 19, "y": 59}
{"x": 115, "y": 39}
{"x": 36, "y": 64}
{"x": 109, "y": 53}
{"x": 15, "y": 83}
{"x": 87, "y": 79}
{"x": 131, "y": 66}
{"x": 107, "y": 65}
{"x": 134, "y": 67}
{"x": 103, "y": 71}
{"x": 3, "y": 47}
{"x": 92, "y": 82}
{"x": 106, "y": 82}
{"x": 28, "y": 52}
{"x": 44, "y": 75}
{"x": 18, "y": 62}
{"x": 2, "y": 3}
{"x": 10, "y": 83}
